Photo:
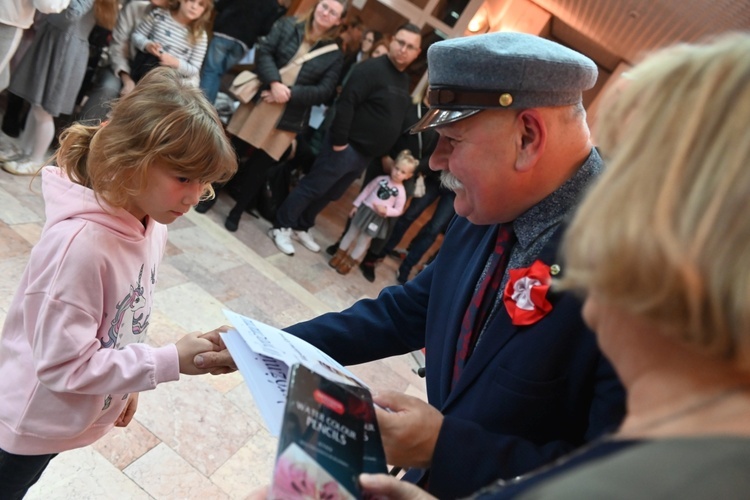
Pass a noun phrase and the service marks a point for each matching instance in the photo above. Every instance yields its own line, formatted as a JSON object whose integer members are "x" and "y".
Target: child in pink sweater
{"x": 72, "y": 357}
{"x": 383, "y": 197}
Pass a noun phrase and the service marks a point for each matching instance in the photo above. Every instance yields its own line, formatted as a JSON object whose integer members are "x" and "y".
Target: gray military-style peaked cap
{"x": 501, "y": 70}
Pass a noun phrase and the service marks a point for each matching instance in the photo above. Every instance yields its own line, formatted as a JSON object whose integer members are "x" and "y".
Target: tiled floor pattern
{"x": 201, "y": 437}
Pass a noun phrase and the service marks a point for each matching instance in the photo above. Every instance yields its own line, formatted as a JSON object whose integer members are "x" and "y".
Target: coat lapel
{"x": 499, "y": 332}
{"x": 465, "y": 284}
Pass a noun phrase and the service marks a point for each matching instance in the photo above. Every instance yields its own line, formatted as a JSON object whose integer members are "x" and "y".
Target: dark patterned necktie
{"x": 483, "y": 299}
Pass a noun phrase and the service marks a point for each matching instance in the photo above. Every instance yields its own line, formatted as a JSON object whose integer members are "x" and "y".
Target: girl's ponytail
{"x": 71, "y": 156}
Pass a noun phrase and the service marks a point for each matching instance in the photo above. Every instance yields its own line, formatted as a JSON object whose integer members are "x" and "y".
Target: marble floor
{"x": 201, "y": 437}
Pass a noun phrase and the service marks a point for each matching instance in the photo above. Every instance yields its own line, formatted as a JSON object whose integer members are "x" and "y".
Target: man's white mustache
{"x": 449, "y": 181}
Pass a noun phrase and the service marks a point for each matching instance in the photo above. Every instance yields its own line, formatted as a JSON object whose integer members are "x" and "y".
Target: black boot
{"x": 331, "y": 250}
{"x": 367, "y": 266}
{"x": 402, "y": 275}
{"x": 233, "y": 219}
{"x": 204, "y": 206}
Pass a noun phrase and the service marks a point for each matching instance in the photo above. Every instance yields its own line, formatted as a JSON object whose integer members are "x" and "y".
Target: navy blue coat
{"x": 527, "y": 395}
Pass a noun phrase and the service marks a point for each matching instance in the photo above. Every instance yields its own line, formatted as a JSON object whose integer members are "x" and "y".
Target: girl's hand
{"x": 352, "y": 212}
{"x": 128, "y": 412}
{"x": 190, "y": 346}
{"x": 154, "y": 48}
{"x": 381, "y": 210}
{"x": 166, "y": 59}
{"x": 219, "y": 361}
{"x": 281, "y": 93}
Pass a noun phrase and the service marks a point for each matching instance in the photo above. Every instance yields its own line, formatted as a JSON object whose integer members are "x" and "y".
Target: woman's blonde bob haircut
{"x": 665, "y": 233}
{"x": 163, "y": 120}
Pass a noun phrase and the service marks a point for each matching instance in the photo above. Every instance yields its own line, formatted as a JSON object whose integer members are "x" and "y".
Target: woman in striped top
{"x": 176, "y": 37}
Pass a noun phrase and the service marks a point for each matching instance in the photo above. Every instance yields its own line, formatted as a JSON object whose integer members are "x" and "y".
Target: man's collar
{"x": 552, "y": 210}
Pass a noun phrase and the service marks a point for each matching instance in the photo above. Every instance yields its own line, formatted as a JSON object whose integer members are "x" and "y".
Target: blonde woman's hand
{"x": 352, "y": 212}
{"x": 382, "y": 486}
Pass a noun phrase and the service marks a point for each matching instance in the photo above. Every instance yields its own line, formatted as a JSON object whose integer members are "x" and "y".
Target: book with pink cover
{"x": 328, "y": 437}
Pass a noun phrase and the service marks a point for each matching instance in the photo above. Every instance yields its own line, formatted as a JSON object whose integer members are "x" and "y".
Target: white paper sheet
{"x": 263, "y": 355}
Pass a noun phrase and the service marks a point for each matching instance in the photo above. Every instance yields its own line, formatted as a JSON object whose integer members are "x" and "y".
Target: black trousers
{"x": 18, "y": 473}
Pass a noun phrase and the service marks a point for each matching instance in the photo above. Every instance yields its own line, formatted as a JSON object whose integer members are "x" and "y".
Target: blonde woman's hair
{"x": 105, "y": 13}
{"x": 197, "y": 27}
{"x": 332, "y": 33}
{"x": 665, "y": 232}
{"x": 163, "y": 120}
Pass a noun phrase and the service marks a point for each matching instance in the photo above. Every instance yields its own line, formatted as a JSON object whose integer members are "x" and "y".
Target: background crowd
{"x": 106, "y": 51}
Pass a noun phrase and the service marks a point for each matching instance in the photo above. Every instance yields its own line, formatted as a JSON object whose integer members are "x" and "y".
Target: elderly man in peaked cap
{"x": 514, "y": 378}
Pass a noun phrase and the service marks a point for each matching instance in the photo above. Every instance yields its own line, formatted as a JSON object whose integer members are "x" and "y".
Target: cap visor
{"x": 437, "y": 117}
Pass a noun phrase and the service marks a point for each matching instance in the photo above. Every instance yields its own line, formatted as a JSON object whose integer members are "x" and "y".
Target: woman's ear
{"x": 533, "y": 138}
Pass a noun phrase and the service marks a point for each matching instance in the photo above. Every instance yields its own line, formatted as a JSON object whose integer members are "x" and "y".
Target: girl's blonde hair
{"x": 197, "y": 27}
{"x": 333, "y": 32}
{"x": 665, "y": 234}
{"x": 162, "y": 120}
{"x": 406, "y": 156}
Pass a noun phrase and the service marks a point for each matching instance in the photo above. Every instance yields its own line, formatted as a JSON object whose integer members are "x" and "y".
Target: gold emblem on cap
{"x": 505, "y": 100}
{"x": 554, "y": 269}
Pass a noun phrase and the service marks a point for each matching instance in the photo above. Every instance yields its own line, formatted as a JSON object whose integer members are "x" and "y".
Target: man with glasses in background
{"x": 370, "y": 114}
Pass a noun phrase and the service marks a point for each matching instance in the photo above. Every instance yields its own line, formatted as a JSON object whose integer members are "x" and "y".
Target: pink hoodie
{"x": 71, "y": 349}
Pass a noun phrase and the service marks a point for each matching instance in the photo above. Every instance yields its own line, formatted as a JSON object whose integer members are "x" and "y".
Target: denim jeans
{"x": 433, "y": 191}
{"x": 221, "y": 55}
{"x": 426, "y": 236}
{"x": 18, "y": 473}
{"x": 329, "y": 178}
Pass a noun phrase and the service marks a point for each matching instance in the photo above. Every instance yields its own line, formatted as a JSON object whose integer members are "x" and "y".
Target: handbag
{"x": 419, "y": 188}
{"x": 246, "y": 84}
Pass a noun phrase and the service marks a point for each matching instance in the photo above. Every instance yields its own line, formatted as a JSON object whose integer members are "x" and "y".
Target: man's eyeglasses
{"x": 403, "y": 45}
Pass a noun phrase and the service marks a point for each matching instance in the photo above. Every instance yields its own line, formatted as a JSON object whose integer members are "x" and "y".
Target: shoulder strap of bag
{"x": 419, "y": 135}
{"x": 315, "y": 53}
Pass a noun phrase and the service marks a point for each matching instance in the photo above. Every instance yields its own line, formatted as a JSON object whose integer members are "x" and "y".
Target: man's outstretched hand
{"x": 218, "y": 361}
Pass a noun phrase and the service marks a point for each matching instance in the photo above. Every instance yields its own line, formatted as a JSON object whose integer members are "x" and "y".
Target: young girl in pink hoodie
{"x": 383, "y": 197}
{"x": 72, "y": 357}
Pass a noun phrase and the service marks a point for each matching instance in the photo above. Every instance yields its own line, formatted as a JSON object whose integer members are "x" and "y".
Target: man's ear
{"x": 533, "y": 138}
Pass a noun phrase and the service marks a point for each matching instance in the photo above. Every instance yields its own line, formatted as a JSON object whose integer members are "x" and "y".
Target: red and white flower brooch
{"x": 525, "y": 295}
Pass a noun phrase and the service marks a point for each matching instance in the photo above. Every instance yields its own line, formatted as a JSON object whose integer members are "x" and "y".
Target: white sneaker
{"x": 21, "y": 165}
{"x": 283, "y": 239}
{"x": 307, "y": 240}
{"x": 9, "y": 148}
